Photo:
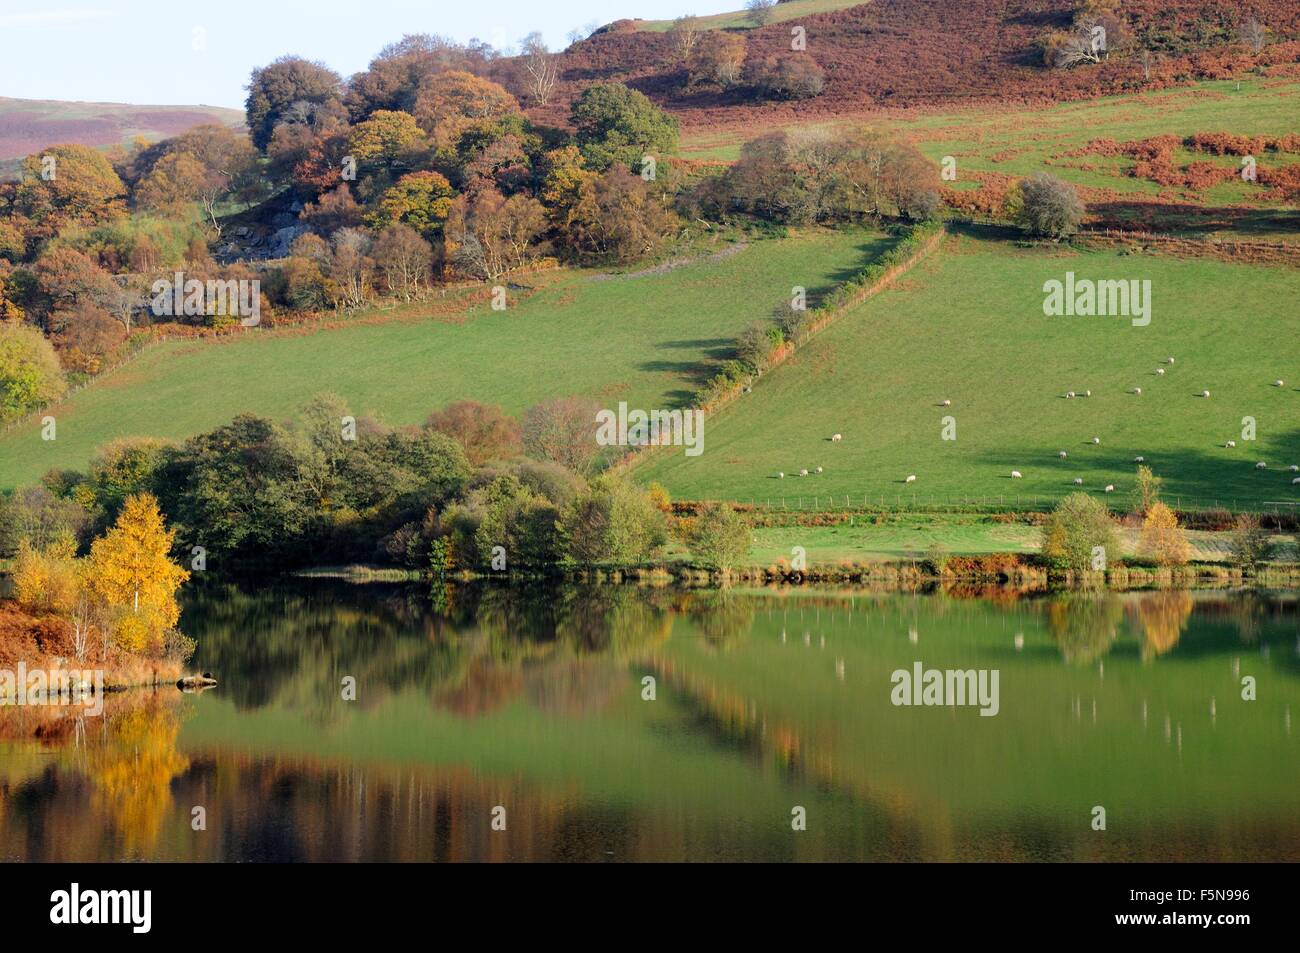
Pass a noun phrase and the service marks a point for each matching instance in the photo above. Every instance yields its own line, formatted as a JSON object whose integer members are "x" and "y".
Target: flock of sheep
{"x": 1078, "y": 481}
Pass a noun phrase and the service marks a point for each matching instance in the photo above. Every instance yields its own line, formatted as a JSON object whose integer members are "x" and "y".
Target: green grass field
{"x": 967, "y": 325}
{"x": 1017, "y": 142}
{"x": 642, "y": 339}
{"x": 739, "y": 19}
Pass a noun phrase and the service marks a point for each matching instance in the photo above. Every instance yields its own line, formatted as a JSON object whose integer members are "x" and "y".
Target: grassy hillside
{"x": 739, "y": 19}
{"x": 28, "y": 125}
{"x": 992, "y": 143}
{"x": 641, "y": 338}
{"x": 967, "y": 325}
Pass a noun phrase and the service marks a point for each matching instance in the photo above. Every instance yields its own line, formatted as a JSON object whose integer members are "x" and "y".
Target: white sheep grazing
{"x": 911, "y": 479}
{"x": 1205, "y": 393}
{"x": 1261, "y": 465}
{"x": 1169, "y": 359}
{"x": 1139, "y": 459}
{"x": 1110, "y": 487}
{"x": 1078, "y": 481}
{"x": 780, "y": 474}
{"x": 1160, "y": 372}
{"x": 1062, "y": 454}
{"x": 1293, "y": 468}
{"x": 819, "y": 469}
{"x": 1096, "y": 440}
{"x": 1279, "y": 383}
{"x": 1087, "y": 393}
{"x": 1069, "y": 393}
{"x": 803, "y": 472}
{"x": 1015, "y": 474}
{"x": 1138, "y": 391}
{"x": 1296, "y": 482}
{"x": 836, "y": 438}
{"x": 947, "y": 403}
{"x": 1230, "y": 443}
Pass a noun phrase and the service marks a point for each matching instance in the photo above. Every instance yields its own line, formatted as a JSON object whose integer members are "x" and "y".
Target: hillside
{"x": 918, "y": 53}
{"x": 968, "y": 326}
{"x": 27, "y": 125}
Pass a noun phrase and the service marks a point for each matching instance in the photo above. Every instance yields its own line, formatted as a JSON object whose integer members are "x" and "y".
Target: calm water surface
{"x": 476, "y": 699}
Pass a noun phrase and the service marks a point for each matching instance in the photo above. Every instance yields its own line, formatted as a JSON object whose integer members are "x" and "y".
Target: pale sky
{"x": 201, "y": 51}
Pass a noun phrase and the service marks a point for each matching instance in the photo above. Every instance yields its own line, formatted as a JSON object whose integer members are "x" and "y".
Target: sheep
{"x": 1069, "y": 394}
{"x": 1015, "y": 474}
{"x": 1078, "y": 481}
{"x": 1139, "y": 459}
{"x": 803, "y": 472}
{"x": 1160, "y": 372}
{"x": 1293, "y": 468}
{"x": 947, "y": 402}
{"x": 1110, "y": 487}
{"x": 836, "y": 438}
{"x": 1231, "y": 444}
{"x": 1261, "y": 465}
{"x": 1096, "y": 440}
{"x": 1279, "y": 383}
{"x": 1296, "y": 482}
{"x": 780, "y": 474}
{"x": 1087, "y": 393}
{"x": 1205, "y": 393}
{"x": 1169, "y": 360}
{"x": 1062, "y": 454}
{"x": 911, "y": 479}
{"x": 1137, "y": 391}
{"x": 819, "y": 469}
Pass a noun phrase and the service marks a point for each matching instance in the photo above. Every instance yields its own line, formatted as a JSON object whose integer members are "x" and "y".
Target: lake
{"x": 615, "y": 723}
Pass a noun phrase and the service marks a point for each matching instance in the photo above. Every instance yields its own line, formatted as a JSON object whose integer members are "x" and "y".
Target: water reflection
{"x": 536, "y": 700}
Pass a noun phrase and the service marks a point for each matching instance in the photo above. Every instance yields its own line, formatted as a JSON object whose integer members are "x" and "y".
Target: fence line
{"x": 930, "y": 503}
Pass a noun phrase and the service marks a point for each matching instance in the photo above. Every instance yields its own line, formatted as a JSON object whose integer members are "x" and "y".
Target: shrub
{"x": 1248, "y": 542}
{"x": 1077, "y": 528}
{"x": 1162, "y": 538}
{"x": 1049, "y": 207}
{"x": 720, "y": 537}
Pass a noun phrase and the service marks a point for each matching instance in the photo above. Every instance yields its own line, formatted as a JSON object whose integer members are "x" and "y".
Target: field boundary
{"x": 842, "y": 301}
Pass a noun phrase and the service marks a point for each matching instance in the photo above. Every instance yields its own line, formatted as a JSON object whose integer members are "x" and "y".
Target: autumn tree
{"x": 616, "y": 216}
{"x": 422, "y": 200}
{"x": 350, "y": 267}
{"x": 685, "y": 33}
{"x": 489, "y": 235}
{"x": 563, "y": 430}
{"x": 405, "y": 259}
{"x": 132, "y": 572}
{"x": 1162, "y": 538}
{"x": 541, "y": 66}
{"x": 717, "y": 57}
{"x": 290, "y": 90}
{"x": 69, "y": 184}
{"x": 453, "y": 103}
{"x": 388, "y": 140}
{"x": 485, "y": 431}
{"x": 1146, "y": 489}
{"x": 172, "y": 185}
{"x": 84, "y": 334}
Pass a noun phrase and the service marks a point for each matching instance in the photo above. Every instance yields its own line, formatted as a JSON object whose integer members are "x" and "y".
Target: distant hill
{"x": 28, "y": 125}
{"x": 923, "y": 53}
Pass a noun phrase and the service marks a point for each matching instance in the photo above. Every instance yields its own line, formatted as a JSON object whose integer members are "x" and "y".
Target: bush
{"x": 1248, "y": 542}
{"x": 1049, "y": 207}
{"x": 720, "y": 537}
{"x": 788, "y": 76}
{"x": 1077, "y": 528}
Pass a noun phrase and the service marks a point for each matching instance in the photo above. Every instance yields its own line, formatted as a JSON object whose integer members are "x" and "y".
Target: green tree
{"x": 422, "y": 200}
{"x": 613, "y": 523}
{"x": 1075, "y": 530}
{"x": 615, "y": 124}
{"x": 719, "y": 537}
{"x": 30, "y": 375}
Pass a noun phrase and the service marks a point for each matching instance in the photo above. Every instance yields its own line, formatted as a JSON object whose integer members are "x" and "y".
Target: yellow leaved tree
{"x": 1162, "y": 538}
{"x": 132, "y": 572}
